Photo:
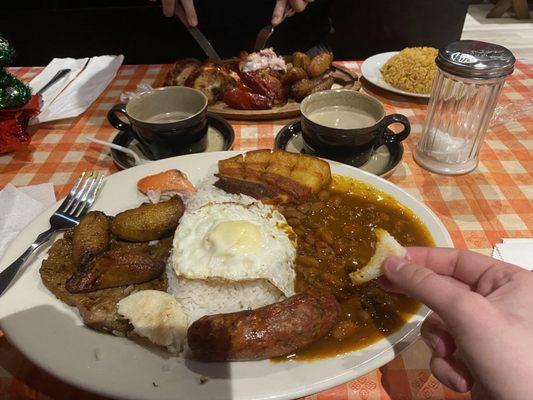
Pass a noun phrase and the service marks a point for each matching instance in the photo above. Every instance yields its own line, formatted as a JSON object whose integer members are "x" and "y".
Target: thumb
{"x": 451, "y": 302}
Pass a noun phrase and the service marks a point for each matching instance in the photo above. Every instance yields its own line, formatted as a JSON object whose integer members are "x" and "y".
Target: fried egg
{"x": 235, "y": 241}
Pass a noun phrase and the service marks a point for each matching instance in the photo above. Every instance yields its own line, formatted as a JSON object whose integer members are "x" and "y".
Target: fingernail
{"x": 395, "y": 264}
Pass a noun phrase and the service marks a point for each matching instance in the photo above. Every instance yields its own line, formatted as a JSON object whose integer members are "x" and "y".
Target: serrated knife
{"x": 197, "y": 35}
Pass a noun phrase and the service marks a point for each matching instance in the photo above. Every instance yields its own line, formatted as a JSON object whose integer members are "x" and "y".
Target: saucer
{"x": 220, "y": 137}
{"x": 383, "y": 161}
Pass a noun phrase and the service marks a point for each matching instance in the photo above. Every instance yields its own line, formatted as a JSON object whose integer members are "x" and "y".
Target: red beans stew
{"x": 335, "y": 237}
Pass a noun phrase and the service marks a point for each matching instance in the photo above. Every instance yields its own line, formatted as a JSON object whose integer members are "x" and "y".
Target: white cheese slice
{"x": 157, "y": 316}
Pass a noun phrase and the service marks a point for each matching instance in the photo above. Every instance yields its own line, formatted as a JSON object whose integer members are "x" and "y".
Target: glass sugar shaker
{"x": 466, "y": 88}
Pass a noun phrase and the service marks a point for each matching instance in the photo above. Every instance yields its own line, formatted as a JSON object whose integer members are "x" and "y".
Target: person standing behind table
{"x": 481, "y": 331}
{"x": 232, "y": 25}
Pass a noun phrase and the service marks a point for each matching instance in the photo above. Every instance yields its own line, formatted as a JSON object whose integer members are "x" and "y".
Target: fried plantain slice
{"x": 115, "y": 268}
{"x": 98, "y": 309}
{"x": 149, "y": 221}
{"x": 319, "y": 64}
{"x": 90, "y": 238}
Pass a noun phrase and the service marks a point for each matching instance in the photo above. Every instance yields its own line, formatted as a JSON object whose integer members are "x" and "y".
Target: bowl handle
{"x": 388, "y": 136}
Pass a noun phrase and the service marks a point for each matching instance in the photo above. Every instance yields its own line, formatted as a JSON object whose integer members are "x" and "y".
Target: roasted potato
{"x": 324, "y": 83}
{"x": 149, "y": 221}
{"x": 300, "y": 60}
{"x": 115, "y": 268}
{"x": 294, "y": 74}
{"x": 302, "y": 88}
{"x": 90, "y": 238}
{"x": 319, "y": 64}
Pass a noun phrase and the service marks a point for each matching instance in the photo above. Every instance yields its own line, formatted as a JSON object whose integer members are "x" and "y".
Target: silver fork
{"x": 80, "y": 198}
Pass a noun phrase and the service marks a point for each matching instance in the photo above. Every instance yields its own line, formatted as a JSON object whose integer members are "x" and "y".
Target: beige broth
{"x": 342, "y": 118}
{"x": 165, "y": 118}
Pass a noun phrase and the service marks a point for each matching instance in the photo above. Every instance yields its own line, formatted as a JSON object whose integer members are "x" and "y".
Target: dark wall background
{"x": 367, "y": 27}
{"x": 41, "y": 30}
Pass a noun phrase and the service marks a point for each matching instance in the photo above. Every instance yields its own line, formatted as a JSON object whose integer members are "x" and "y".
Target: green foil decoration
{"x": 7, "y": 53}
{"x": 13, "y": 93}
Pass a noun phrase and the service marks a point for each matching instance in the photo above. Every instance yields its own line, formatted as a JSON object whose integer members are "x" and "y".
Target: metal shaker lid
{"x": 473, "y": 59}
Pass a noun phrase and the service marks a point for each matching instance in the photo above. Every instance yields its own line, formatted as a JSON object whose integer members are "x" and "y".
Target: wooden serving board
{"x": 342, "y": 77}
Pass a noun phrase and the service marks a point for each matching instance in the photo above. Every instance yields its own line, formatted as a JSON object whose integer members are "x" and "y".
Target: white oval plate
{"x": 370, "y": 69}
{"x": 52, "y": 335}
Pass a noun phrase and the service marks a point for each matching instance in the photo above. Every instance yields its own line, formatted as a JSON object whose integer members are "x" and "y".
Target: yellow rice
{"x": 412, "y": 69}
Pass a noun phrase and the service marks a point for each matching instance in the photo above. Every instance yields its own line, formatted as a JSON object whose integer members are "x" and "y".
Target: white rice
{"x": 206, "y": 297}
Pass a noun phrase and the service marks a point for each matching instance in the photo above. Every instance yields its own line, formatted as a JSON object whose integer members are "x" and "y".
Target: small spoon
{"x": 136, "y": 159}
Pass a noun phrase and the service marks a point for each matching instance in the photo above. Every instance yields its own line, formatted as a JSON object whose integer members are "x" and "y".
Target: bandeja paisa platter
{"x": 346, "y": 209}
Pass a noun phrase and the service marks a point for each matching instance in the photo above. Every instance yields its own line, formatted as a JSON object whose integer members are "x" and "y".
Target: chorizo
{"x": 274, "y": 330}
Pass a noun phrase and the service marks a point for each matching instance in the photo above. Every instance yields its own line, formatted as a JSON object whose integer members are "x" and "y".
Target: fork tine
{"x": 88, "y": 199}
{"x": 91, "y": 196}
{"x": 72, "y": 192}
{"x": 97, "y": 190}
{"x": 72, "y": 207}
{"x": 83, "y": 200}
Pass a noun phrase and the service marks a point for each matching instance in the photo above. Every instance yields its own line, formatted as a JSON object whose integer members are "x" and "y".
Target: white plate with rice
{"x": 52, "y": 335}
{"x": 371, "y": 71}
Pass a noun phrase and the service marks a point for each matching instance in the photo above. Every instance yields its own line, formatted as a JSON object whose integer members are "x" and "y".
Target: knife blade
{"x": 60, "y": 74}
{"x": 267, "y": 31}
{"x": 204, "y": 44}
{"x": 262, "y": 37}
{"x": 196, "y": 34}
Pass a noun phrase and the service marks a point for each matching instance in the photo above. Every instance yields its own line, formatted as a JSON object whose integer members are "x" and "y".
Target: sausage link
{"x": 270, "y": 331}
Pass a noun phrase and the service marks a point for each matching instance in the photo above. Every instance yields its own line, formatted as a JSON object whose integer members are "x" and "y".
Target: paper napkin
{"x": 515, "y": 251}
{"x": 19, "y": 207}
{"x": 57, "y": 64}
{"x": 73, "y": 94}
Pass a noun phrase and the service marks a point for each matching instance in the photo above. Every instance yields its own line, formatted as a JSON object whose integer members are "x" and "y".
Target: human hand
{"x": 287, "y": 8}
{"x": 187, "y": 12}
{"x": 481, "y": 331}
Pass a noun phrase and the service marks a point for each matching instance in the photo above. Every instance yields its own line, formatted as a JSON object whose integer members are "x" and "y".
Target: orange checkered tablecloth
{"x": 478, "y": 209}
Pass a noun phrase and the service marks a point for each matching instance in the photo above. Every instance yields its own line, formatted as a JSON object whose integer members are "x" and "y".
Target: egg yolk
{"x": 235, "y": 237}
